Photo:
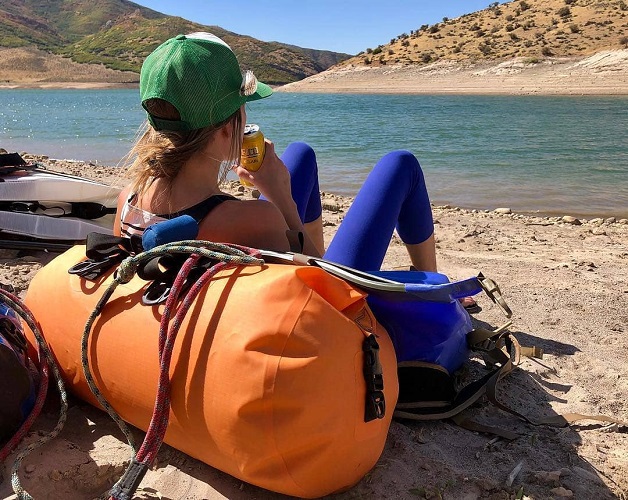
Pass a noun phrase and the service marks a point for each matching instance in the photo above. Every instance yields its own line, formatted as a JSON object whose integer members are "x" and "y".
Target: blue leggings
{"x": 393, "y": 195}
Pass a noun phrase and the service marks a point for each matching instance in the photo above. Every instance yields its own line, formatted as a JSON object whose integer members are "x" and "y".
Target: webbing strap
{"x": 463, "y": 400}
{"x": 507, "y": 364}
{"x": 472, "y": 425}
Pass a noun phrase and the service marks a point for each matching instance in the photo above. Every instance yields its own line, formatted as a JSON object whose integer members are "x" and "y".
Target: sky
{"x": 348, "y": 26}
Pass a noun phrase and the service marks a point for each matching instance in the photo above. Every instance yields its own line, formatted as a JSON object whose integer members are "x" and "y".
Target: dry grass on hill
{"x": 26, "y": 66}
{"x": 521, "y": 28}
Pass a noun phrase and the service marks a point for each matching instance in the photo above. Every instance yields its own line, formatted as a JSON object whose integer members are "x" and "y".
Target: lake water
{"x": 552, "y": 155}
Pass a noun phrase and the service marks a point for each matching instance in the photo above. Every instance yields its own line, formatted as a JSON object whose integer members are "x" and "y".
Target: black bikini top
{"x": 201, "y": 209}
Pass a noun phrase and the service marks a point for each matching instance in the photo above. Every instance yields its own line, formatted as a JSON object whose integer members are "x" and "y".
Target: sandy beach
{"x": 566, "y": 281}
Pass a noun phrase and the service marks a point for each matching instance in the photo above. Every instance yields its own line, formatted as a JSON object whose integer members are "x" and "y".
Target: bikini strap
{"x": 201, "y": 209}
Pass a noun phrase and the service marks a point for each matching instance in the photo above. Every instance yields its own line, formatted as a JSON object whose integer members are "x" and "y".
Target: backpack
{"x": 433, "y": 337}
{"x": 17, "y": 384}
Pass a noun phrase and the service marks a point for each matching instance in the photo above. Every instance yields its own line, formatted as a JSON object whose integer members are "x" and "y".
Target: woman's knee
{"x": 399, "y": 164}
{"x": 300, "y": 152}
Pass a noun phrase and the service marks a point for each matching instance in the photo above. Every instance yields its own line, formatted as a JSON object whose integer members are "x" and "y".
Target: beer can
{"x": 253, "y": 149}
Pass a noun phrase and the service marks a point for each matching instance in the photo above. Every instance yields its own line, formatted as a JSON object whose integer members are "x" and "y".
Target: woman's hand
{"x": 272, "y": 179}
{"x": 273, "y": 182}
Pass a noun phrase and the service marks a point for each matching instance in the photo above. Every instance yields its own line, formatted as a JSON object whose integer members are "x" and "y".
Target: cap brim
{"x": 262, "y": 91}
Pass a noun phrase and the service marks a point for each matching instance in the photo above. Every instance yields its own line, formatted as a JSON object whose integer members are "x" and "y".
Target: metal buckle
{"x": 495, "y": 294}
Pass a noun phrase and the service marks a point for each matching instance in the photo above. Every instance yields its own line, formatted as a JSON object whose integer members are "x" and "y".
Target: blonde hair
{"x": 160, "y": 154}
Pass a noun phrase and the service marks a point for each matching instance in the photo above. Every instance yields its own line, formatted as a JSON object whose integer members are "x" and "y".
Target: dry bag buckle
{"x": 91, "y": 269}
{"x": 162, "y": 280}
{"x": 495, "y": 294}
{"x": 375, "y": 407}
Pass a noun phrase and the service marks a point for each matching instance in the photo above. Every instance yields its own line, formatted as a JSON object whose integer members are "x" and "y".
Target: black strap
{"x": 11, "y": 160}
{"x": 443, "y": 401}
{"x": 125, "y": 488}
{"x": 199, "y": 211}
{"x": 295, "y": 240}
{"x": 375, "y": 403}
{"x": 81, "y": 209}
{"x": 104, "y": 251}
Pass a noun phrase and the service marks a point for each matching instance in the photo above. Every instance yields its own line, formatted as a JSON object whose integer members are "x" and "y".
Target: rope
{"x": 228, "y": 256}
{"x": 47, "y": 362}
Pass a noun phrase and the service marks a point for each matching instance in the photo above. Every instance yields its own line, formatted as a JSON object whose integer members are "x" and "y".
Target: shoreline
{"x": 604, "y": 73}
{"x": 67, "y": 85}
{"x": 110, "y": 174}
{"x": 434, "y": 87}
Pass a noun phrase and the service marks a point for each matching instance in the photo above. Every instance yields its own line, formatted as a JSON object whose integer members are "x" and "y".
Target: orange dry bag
{"x": 267, "y": 374}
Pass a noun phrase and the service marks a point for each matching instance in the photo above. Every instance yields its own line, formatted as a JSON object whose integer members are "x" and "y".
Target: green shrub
{"x": 574, "y": 28}
{"x": 523, "y": 5}
{"x": 547, "y": 52}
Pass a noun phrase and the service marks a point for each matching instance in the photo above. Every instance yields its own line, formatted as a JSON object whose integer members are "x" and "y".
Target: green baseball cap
{"x": 200, "y": 76}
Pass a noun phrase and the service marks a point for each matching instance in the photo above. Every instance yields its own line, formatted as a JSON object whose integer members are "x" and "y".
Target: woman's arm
{"x": 252, "y": 223}
{"x": 273, "y": 181}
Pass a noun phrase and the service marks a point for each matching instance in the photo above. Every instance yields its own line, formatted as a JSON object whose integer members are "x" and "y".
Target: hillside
{"x": 533, "y": 29}
{"x": 119, "y": 34}
{"x": 550, "y": 47}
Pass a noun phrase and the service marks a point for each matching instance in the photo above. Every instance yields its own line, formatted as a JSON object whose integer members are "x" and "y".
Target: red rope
{"x": 167, "y": 336}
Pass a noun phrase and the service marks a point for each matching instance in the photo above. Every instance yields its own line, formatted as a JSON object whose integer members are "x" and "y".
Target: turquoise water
{"x": 553, "y": 155}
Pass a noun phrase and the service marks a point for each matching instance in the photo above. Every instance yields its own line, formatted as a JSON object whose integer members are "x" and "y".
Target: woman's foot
{"x": 470, "y": 305}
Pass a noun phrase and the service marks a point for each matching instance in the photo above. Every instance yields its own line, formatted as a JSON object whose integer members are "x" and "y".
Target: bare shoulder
{"x": 253, "y": 223}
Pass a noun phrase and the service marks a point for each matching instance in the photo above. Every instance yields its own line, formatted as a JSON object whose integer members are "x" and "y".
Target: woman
{"x": 194, "y": 93}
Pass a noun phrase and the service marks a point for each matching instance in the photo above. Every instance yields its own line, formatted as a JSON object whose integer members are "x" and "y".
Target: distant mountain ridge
{"x": 119, "y": 34}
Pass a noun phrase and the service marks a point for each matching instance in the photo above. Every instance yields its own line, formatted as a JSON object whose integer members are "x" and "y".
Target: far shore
{"x": 366, "y": 85}
{"x": 604, "y": 73}
{"x": 68, "y": 85}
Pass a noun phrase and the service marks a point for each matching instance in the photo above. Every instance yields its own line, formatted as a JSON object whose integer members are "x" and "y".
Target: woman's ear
{"x": 227, "y": 129}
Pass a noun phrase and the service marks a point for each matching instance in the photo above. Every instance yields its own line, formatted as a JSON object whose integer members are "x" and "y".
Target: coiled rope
{"x": 46, "y": 363}
{"x": 227, "y": 256}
